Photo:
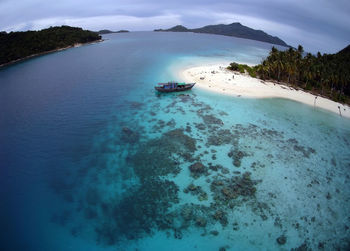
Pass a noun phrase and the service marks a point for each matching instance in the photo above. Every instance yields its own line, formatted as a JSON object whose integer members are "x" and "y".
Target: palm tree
{"x": 327, "y": 74}
{"x": 300, "y": 50}
{"x": 280, "y": 65}
{"x": 299, "y": 62}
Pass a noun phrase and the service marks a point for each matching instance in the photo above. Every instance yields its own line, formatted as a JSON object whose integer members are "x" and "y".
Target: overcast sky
{"x": 319, "y": 25}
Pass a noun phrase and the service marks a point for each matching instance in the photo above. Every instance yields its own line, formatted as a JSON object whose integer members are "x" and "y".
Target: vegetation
{"x": 242, "y": 68}
{"x": 18, "y": 45}
{"x": 327, "y": 75}
{"x": 234, "y": 30}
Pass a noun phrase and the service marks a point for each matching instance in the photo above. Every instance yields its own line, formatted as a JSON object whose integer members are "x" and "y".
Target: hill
{"x": 345, "y": 51}
{"x": 19, "y": 45}
{"x": 233, "y": 30}
{"x": 109, "y": 31}
{"x": 177, "y": 28}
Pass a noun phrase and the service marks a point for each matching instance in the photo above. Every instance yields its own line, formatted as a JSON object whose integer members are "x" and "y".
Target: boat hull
{"x": 177, "y": 89}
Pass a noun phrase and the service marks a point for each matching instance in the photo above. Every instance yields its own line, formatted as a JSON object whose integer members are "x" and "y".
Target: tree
{"x": 326, "y": 74}
{"x": 18, "y": 45}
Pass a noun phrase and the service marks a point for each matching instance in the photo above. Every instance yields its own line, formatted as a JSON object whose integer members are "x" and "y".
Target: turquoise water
{"x": 92, "y": 158}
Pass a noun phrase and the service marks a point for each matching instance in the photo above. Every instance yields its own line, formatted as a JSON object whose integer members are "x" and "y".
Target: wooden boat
{"x": 173, "y": 87}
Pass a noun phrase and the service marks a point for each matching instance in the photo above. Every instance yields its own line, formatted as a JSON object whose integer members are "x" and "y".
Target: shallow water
{"x": 93, "y": 159}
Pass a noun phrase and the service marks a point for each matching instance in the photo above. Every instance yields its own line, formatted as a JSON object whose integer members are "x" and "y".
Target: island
{"x": 233, "y": 30}
{"x": 15, "y": 46}
{"x": 321, "y": 81}
{"x": 102, "y": 32}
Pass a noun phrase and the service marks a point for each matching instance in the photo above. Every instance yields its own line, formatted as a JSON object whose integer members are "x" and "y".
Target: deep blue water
{"x": 93, "y": 159}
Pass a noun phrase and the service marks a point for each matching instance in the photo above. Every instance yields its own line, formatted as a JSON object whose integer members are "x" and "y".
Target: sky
{"x": 318, "y": 25}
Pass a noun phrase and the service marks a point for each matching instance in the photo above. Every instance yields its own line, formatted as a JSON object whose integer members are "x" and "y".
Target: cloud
{"x": 113, "y": 22}
{"x": 317, "y": 24}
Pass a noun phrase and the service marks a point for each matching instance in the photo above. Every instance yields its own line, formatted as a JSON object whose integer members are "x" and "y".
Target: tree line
{"x": 18, "y": 45}
{"x": 327, "y": 75}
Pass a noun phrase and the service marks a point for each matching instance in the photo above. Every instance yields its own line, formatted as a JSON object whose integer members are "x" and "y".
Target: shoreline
{"x": 51, "y": 51}
{"x": 217, "y": 78}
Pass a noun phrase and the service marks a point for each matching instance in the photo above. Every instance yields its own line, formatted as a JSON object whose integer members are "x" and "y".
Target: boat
{"x": 173, "y": 87}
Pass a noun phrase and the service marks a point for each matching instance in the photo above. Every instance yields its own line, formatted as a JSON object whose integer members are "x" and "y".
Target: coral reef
{"x": 197, "y": 169}
{"x": 144, "y": 169}
{"x": 129, "y": 136}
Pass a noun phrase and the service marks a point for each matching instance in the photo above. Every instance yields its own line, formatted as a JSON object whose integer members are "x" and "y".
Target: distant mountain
{"x": 122, "y": 31}
{"x": 345, "y": 51}
{"x": 177, "y": 28}
{"x": 233, "y": 30}
{"x": 108, "y": 31}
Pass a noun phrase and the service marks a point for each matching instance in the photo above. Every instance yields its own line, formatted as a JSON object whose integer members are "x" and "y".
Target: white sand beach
{"x": 218, "y": 79}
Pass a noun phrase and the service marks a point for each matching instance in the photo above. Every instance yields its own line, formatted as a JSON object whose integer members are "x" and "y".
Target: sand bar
{"x": 218, "y": 79}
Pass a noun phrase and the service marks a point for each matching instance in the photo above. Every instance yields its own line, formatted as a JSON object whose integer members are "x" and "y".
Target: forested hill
{"x": 103, "y": 32}
{"x": 233, "y": 30}
{"x": 345, "y": 51}
{"x": 19, "y": 45}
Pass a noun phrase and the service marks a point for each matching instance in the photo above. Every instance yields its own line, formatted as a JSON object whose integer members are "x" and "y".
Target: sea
{"x": 93, "y": 158}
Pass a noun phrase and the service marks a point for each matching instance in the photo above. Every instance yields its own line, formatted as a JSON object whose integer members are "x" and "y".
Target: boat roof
{"x": 171, "y": 83}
